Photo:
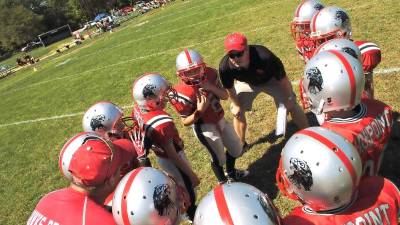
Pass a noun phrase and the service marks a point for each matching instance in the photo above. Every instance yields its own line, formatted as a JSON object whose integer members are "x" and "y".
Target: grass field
{"x": 41, "y": 110}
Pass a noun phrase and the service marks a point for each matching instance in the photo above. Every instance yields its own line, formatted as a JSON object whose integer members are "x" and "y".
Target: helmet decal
{"x": 318, "y": 6}
{"x": 97, "y": 122}
{"x": 149, "y": 91}
{"x": 342, "y": 17}
{"x": 350, "y": 51}
{"x": 302, "y": 175}
{"x": 316, "y": 81}
{"x": 161, "y": 199}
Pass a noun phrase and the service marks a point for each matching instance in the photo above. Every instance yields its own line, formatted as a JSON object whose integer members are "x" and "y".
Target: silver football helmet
{"x": 300, "y": 26}
{"x": 190, "y": 67}
{"x": 329, "y": 23}
{"x": 321, "y": 168}
{"x": 236, "y": 203}
{"x": 103, "y": 116}
{"x": 332, "y": 81}
{"x": 71, "y": 147}
{"x": 151, "y": 91}
{"x": 341, "y": 44}
{"x": 146, "y": 196}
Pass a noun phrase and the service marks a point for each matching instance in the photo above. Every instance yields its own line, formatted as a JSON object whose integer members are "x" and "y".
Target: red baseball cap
{"x": 97, "y": 160}
{"x": 235, "y": 41}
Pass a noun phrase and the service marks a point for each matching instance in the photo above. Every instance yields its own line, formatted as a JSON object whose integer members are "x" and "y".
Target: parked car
{"x": 126, "y": 9}
{"x": 31, "y": 45}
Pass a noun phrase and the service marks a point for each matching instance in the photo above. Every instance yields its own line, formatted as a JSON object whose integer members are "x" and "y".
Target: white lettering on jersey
{"x": 376, "y": 216}
{"x": 38, "y": 219}
{"x": 373, "y": 131}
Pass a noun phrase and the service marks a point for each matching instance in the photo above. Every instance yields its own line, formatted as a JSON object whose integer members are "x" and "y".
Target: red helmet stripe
{"x": 314, "y": 18}
{"x": 350, "y": 73}
{"x": 128, "y": 184}
{"x": 188, "y": 57}
{"x": 222, "y": 205}
{"x": 332, "y": 146}
{"x": 298, "y": 8}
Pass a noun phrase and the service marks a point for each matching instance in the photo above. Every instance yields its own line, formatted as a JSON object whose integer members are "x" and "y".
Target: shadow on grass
{"x": 263, "y": 170}
{"x": 390, "y": 167}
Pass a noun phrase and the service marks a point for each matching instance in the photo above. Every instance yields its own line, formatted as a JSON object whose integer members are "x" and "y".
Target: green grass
{"x": 104, "y": 68}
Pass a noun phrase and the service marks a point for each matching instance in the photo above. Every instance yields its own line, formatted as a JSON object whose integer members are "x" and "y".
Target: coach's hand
{"x": 236, "y": 111}
{"x": 195, "y": 180}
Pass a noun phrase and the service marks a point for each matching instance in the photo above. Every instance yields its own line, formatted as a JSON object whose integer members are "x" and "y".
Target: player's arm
{"x": 170, "y": 150}
{"x": 216, "y": 89}
{"x": 202, "y": 104}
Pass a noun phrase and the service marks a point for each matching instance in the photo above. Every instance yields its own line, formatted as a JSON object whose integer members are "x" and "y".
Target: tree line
{"x": 22, "y": 20}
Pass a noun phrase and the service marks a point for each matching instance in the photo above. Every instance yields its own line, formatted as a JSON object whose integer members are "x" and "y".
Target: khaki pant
{"x": 246, "y": 93}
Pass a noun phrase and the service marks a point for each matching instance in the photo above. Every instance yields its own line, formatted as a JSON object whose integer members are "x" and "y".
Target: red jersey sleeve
{"x": 297, "y": 217}
{"x": 165, "y": 133}
{"x": 371, "y": 55}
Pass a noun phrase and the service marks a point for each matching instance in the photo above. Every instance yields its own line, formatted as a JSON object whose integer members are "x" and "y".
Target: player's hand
{"x": 184, "y": 199}
{"x": 202, "y": 103}
{"x": 289, "y": 104}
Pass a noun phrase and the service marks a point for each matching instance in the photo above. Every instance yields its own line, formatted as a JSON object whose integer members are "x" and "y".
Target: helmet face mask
{"x": 300, "y": 26}
{"x": 300, "y": 30}
{"x": 190, "y": 67}
{"x": 193, "y": 76}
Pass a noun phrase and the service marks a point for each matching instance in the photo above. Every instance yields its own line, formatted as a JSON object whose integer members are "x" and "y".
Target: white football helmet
{"x": 341, "y": 44}
{"x": 332, "y": 81}
{"x": 72, "y": 145}
{"x": 300, "y": 26}
{"x": 329, "y": 23}
{"x": 321, "y": 168}
{"x": 190, "y": 67}
{"x": 236, "y": 203}
{"x": 103, "y": 116}
{"x": 151, "y": 91}
{"x": 146, "y": 196}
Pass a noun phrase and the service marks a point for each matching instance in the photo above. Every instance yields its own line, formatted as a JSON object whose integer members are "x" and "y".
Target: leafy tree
{"x": 19, "y": 25}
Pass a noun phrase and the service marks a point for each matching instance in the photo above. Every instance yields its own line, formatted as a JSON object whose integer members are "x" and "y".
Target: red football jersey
{"x": 369, "y": 131}
{"x": 133, "y": 162}
{"x": 160, "y": 128}
{"x": 305, "y": 49}
{"x": 371, "y": 55}
{"x": 69, "y": 207}
{"x": 186, "y": 102}
{"x": 377, "y": 202}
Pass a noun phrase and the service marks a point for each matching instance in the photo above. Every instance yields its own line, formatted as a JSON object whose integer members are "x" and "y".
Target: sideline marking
{"x": 295, "y": 82}
{"x": 52, "y": 118}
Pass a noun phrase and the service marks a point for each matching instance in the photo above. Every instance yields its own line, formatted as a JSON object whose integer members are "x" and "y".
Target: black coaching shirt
{"x": 263, "y": 66}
